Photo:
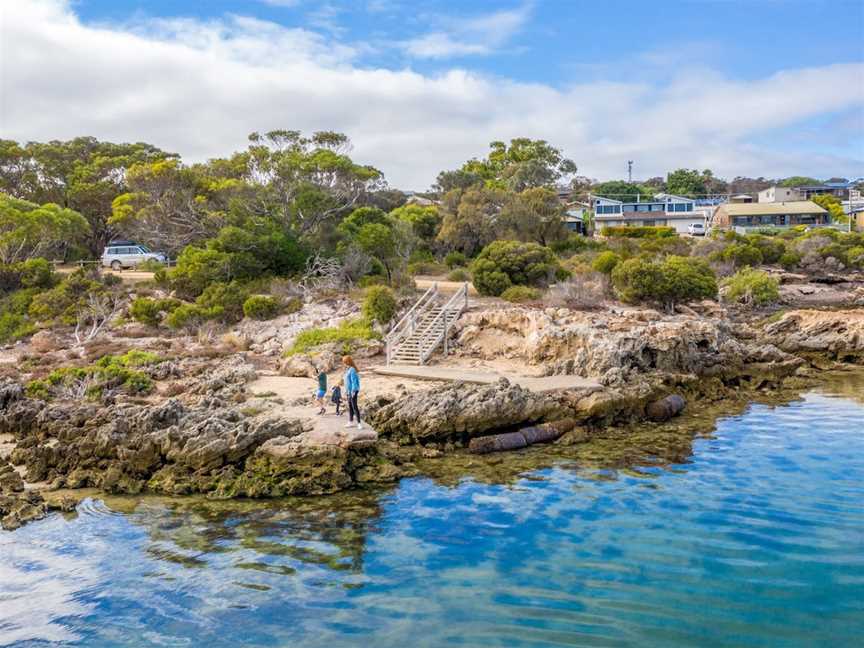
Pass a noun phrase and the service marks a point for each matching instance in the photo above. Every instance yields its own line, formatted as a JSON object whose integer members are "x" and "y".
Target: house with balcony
{"x": 744, "y": 217}
{"x": 662, "y": 210}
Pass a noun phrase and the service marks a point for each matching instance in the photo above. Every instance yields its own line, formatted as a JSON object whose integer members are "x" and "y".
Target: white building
{"x": 779, "y": 194}
{"x": 664, "y": 209}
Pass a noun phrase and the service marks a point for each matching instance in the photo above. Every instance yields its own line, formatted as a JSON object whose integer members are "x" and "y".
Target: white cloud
{"x": 198, "y": 88}
{"x": 469, "y": 36}
{"x": 280, "y": 3}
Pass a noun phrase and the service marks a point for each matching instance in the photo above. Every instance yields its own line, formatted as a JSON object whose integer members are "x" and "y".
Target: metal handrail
{"x": 399, "y": 332}
{"x": 430, "y": 346}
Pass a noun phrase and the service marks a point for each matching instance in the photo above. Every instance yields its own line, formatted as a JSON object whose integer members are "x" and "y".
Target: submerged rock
{"x": 665, "y": 408}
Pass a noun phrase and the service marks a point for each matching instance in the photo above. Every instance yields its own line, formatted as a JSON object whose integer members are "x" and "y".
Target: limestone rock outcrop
{"x": 610, "y": 343}
{"x": 458, "y": 411}
{"x": 838, "y": 333}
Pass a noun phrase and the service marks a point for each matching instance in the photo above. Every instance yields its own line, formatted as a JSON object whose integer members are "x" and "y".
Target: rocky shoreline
{"x": 218, "y": 439}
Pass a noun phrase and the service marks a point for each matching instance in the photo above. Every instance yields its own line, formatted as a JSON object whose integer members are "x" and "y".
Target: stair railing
{"x": 450, "y": 313}
{"x": 408, "y": 323}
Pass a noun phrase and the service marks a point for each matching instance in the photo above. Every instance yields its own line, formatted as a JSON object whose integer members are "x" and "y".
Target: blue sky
{"x": 758, "y": 87}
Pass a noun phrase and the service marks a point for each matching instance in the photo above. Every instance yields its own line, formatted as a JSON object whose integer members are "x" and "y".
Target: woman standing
{"x": 352, "y": 390}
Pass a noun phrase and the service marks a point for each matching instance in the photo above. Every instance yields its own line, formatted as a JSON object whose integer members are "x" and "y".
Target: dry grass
{"x": 586, "y": 291}
{"x": 235, "y": 341}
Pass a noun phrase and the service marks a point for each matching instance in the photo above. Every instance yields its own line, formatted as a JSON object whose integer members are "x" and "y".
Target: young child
{"x": 322, "y": 390}
{"x": 336, "y": 398}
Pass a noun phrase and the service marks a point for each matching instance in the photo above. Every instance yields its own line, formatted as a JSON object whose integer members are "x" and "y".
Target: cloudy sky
{"x": 749, "y": 87}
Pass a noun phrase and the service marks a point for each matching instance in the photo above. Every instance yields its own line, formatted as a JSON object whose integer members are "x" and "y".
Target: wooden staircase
{"x": 425, "y": 327}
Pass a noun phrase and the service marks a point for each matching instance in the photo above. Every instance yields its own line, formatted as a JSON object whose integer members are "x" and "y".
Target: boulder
{"x": 459, "y": 411}
{"x": 665, "y": 408}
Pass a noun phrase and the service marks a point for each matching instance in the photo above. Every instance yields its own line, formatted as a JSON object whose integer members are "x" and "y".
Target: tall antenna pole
{"x": 630, "y": 171}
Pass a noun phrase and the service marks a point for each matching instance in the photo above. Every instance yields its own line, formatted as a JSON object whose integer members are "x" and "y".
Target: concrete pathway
{"x": 450, "y": 374}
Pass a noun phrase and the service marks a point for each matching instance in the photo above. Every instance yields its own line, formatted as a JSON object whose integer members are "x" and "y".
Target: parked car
{"x": 696, "y": 229}
{"x": 128, "y": 254}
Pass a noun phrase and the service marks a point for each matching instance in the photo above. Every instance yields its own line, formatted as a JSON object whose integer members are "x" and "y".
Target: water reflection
{"x": 685, "y": 533}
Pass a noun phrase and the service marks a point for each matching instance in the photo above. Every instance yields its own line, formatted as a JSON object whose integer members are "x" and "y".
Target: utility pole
{"x": 630, "y": 171}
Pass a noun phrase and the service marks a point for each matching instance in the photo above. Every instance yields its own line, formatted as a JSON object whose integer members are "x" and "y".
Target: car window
{"x": 145, "y": 249}
{"x": 139, "y": 250}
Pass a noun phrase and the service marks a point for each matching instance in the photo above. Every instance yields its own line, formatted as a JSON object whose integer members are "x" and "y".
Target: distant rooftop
{"x": 790, "y": 207}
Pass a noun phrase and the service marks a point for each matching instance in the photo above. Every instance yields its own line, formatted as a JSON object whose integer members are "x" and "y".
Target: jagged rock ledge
{"x": 209, "y": 442}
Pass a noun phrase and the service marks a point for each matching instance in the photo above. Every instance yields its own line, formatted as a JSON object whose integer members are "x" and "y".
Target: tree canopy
{"x": 28, "y": 230}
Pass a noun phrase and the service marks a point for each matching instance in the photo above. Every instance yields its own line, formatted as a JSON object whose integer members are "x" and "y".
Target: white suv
{"x": 696, "y": 229}
{"x": 125, "y": 254}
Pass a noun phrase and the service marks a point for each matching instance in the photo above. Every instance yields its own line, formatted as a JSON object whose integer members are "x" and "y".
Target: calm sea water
{"x": 754, "y": 536}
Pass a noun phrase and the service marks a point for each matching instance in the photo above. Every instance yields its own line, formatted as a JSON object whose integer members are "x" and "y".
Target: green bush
{"x": 379, "y": 304}
{"x": 426, "y": 268}
{"x": 149, "y": 311}
{"x": 504, "y": 263}
{"x": 742, "y": 254}
{"x": 33, "y": 273}
{"x": 771, "y": 248}
{"x": 459, "y": 274}
{"x": 261, "y": 307}
{"x": 789, "y": 260}
{"x": 856, "y": 256}
{"x": 150, "y": 265}
{"x": 190, "y": 315}
{"x": 751, "y": 286}
{"x": 235, "y": 254}
{"x": 606, "y": 262}
{"x": 14, "y": 326}
{"x": 520, "y": 294}
{"x": 455, "y": 259}
{"x": 61, "y": 302}
{"x": 372, "y": 280}
{"x": 225, "y": 300}
{"x": 574, "y": 244}
{"x": 646, "y": 231}
{"x": 349, "y": 333}
{"x": 675, "y": 279}
{"x": 836, "y": 250}
{"x": 115, "y": 373}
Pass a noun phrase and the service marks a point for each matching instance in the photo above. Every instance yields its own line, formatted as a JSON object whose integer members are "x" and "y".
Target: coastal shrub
{"x": 261, "y": 307}
{"x": 856, "y": 256}
{"x": 190, "y": 316}
{"x": 379, "y": 304}
{"x": 111, "y": 373}
{"x": 575, "y": 243}
{"x": 789, "y": 260}
{"x": 459, "y": 274}
{"x": 150, "y": 265}
{"x": 585, "y": 291}
{"x": 742, "y": 254}
{"x": 235, "y": 254}
{"x": 836, "y": 250}
{"x": 349, "y": 333}
{"x": 372, "y": 280}
{"x": 639, "y": 232}
{"x": 426, "y": 268}
{"x": 520, "y": 294}
{"x": 61, "y": 302}
{"x": 675, "y": 279}
{"x": 14, "y": 326}
{"x": 661, "y": 246}
{"x": 455, "y": 259}
{"x": 771, "y": 248}
{"x": 150, "y": 311}
{"x": 504, "y": 263}
{"x": 606, "y": 262}
{"x": 751, "y": 286}
{"x": 225, "y": 300}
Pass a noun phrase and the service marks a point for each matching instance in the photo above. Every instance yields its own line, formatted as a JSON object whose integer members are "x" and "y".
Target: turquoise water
{"x": 755, "y": 539}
